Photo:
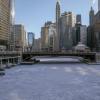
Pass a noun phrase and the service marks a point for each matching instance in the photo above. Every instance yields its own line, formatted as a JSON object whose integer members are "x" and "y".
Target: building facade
{"x": 90, "y": 30}
{"x": 97, "y": 31}
{"x": 98, "y": 5}
{"x": 12, "y": 21}
{"x": 20, "y": 40}
{"x": 45, "y": 36}
{"x": 83, "y": 34}
{"x": 67, "y": 23}
{"x": 37, "y": 45}
{"x": 91, "y": 17}
{"x": 52, "y": 32}
{"x": 78, "y": 19}
{"x": 48, "y": 33}
{"x": 5, "y": 23}
{"x": 57, "y": 35}
{"x": 30, "y": 38}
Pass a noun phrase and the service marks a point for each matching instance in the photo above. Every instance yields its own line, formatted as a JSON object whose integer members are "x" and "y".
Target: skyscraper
{"x": 57, "y": 11}
{"x": 45, "y": 36}
{"x": 83, "y": 34}
{"x": 98, "y": 5}
{"x": 31, "y": 39}
{"x": 20, "y": 37}
{"x": 67, "y": 22}
{"x": 91, "y": 15}
{"x": 78, "y": 19}
{"x": 12, "y": 22}
{"x": 12, "y": 7}
{"x": 57, "y": 38}
{"x": 5, "y": 22}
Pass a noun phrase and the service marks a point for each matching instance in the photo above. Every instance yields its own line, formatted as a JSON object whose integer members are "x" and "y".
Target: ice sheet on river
{"x": 51, "y": 82}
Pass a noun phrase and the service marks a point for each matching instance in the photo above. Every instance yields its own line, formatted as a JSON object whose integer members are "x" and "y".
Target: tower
{"x": 78, "y": 19}
{"x": 57, "y": 11}
{"x": 91, "y": 15}
{"x": 57, "y": 34}
{"x": 12, "y": 3}
{"x": 12, "y": 22}
{"x": 98, "y": 5}
{"x": 4, "y": 22}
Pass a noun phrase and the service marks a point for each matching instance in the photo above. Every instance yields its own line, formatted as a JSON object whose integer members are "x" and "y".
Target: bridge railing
{"x": 10, "y": 52}
{"x": 59, "y": 52}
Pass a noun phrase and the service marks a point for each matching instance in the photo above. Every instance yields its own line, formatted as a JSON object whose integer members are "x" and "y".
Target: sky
{"x": 34, "y": 13}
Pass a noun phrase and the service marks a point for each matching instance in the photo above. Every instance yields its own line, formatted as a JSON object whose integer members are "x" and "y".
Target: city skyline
{"x": 33, "y": 21}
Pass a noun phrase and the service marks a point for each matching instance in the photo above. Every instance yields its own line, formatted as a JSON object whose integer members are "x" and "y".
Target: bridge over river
{"x": 25, "y": 56}
{"x": 91, "y": 56}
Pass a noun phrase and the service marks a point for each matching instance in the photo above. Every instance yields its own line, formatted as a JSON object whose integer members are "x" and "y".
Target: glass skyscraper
{"x": 30, "y": 38}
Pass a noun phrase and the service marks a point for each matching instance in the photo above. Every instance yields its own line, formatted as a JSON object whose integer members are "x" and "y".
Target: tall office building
{"x": 98, "y": 5}
{"x": 31, "y": 38}
{"x": 57, "y": 11}
{"x": 56, "y": 42}
{"x": 12, "y": 21}
{"x": 37, "y": 45}
{"x": 5, "y": 15}
{"x": 78, "y": 19}
{"x": 97, "y": 31}
{"x": 91, "y": 17}
{"x": 67, "y": 22}
{"x": 83, "y": 34}
{"x": 45, "y": 36}
{"x": 52, "y": 32}
{"x": 90, "y": 30}
{"x": 20, "y": 37}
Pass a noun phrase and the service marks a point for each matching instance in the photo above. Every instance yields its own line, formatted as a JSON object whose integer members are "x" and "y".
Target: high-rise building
{"x": 37, "y": 45}
{"x": 12, "y": 11}
{"x": 97, "y": 31}
{"x": 20, "y": 37}
{"x": 90, "y": 30}
{"x": 98, "y": 5}
{"x": 45, "y": 36}
{"x": 78, "y": 19}
{"x": 31, "y": 37}
{"x": 5, "y": 15}
{"x": 91, "y": 38}
{"x": 91, "y": 17}
{"x": 57, "y": 38}
{"x": 67, "y": 22}
{"x": 76, "y": 37}
{"x": 83, "y": 34}
{"x": 52, "y": 32}
{"x": 48, "y": 36}
{"x": 69, "y": 18}
{"x": 57, "y": 11}
{"x": 12, "y": 21}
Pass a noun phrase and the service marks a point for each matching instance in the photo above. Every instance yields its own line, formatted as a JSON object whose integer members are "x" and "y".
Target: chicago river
{"x": 65, "y": 81}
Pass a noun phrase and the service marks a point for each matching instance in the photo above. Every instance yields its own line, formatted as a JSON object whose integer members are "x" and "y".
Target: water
{"x": 51, "y": 82}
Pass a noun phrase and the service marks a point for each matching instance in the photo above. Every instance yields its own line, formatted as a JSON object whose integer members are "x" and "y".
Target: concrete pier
{"x": 10, "y": 58}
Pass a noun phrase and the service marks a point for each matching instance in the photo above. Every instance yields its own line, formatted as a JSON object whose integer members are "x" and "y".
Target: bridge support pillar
{"x": 8, "y": 61}
{"x": 98, "y": 57}
{"x": 1, "y": 63}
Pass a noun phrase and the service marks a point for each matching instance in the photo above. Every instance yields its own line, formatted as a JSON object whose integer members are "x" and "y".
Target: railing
{"x": 10, "y": 52}
{"x": 59, "y": 52}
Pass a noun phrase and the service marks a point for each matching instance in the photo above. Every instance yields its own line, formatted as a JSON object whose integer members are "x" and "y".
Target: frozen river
{"x": 51, "y": 82}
